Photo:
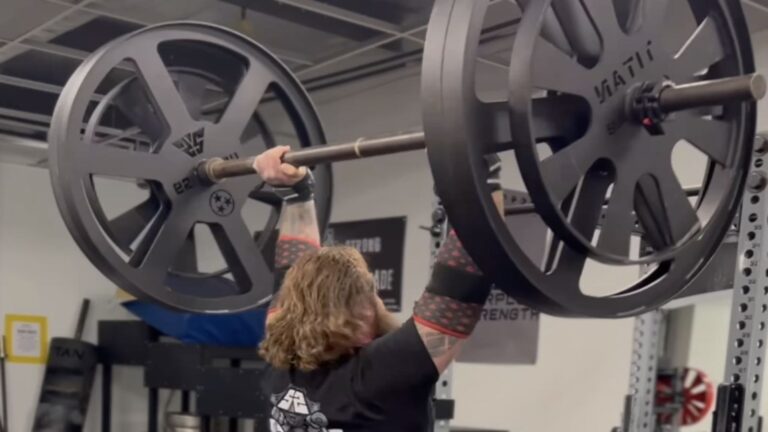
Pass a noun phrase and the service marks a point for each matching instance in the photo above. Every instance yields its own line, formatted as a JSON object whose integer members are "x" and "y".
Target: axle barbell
{"x": 668, "y": 99}
{"x": 592, "y": 127}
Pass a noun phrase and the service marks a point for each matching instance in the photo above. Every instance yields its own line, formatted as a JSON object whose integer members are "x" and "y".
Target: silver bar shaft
{"x": 362, "y": 148}
{"x": 214, "y": 170}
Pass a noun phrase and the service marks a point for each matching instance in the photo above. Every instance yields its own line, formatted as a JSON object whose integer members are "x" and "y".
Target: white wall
{"x": 582, "y": 372}
{"x": 42, "y": 272}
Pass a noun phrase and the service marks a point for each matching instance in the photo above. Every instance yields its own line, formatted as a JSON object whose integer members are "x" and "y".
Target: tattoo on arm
{"x": 300, "y": 220}
{"x": 442, "y": 348}
{"x": 438, "y": 344}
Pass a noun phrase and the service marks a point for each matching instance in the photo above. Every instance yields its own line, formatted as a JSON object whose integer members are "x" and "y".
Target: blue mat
{"x": 245, "y": 329}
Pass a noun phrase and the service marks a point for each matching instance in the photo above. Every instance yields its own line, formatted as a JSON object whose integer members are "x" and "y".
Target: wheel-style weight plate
{"x": 130, "y": 100}
{"x": 615, "y": 51}
{"x": 684, "y": 398}
{"x": 148, "y": 108}
{"x": 461, "y": 129}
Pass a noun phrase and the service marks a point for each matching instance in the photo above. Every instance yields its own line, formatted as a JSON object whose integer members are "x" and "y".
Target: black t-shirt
{"x": 386, "y": 386}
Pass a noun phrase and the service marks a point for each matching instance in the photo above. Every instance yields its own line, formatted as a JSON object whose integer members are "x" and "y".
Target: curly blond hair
{"x": 314, "y": 320}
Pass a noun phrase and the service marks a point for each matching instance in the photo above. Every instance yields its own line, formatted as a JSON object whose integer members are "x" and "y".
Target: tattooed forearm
{"x": 300, "y": 220}
{"x": 439, "y": 344}
{"x": 442, "y": 348}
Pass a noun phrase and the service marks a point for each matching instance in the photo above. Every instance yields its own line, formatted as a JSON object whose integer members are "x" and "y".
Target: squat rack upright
{"x": 738, "y": 400}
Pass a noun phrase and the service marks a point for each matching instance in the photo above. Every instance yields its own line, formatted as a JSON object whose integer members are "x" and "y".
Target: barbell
{"x": 670, "y": 98}
{"x": 597, "y": 101}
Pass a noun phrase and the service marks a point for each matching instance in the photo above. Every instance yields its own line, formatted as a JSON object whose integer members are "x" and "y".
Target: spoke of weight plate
{"x": 549, "y": 67}
{"x": 582, "y": 27}
{"x": 193, "y": 94}
{"x": 243, "y": 258}
{"x": 161, "y": 88}
{"x": 126, "y": 227}
{"x": 702, "y": 50}
{"x": 603, "y": 17}
{"x": 563, "y": 170}
{"x": 134, "y": 103}
{"x": 677, "y": 216}
{"x": 186, "y": 259}
{"x": 711, "y": 136}
{"x": 158, "y": 249}
{"x": 245, "y": 99}
{"x": 107, "y": 160}
{"x": 584, "y": 207}
{"x": 553, "y": 31}
{"x": 557, "y": 117}
{"x": 653, "y": 14}
{"x": 617, "y": 228}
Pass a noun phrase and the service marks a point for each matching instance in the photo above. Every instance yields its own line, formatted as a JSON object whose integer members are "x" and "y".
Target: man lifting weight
{"x": 340, "y": 361}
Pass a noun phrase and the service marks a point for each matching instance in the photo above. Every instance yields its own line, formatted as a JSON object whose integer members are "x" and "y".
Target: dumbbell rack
{"x": 738, "y": 398}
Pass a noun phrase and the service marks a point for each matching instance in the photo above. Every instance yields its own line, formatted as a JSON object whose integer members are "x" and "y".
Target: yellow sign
{"x": 26, "y": 339}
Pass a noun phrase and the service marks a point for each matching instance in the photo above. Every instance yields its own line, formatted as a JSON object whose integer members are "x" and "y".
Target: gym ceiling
{"x": 325, "y": 42}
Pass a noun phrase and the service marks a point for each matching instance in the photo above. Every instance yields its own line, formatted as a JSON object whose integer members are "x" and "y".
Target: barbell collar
{"x": 214, "y": 170}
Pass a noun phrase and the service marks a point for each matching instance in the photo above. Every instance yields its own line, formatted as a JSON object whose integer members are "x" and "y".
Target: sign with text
{"x": 27, "y": 338}
{"x": 508, "y": 333}
{"x": 382, "y": 243}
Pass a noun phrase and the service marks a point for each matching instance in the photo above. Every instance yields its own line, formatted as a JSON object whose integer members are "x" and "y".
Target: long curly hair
{"x": 317, "y": 318}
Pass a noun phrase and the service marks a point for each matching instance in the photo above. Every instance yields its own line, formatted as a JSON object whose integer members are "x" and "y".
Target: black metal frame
{"x": 219, "y": 381}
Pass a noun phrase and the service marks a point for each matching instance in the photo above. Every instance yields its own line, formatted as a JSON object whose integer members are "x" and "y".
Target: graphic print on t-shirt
{"x": 292, "y": 411}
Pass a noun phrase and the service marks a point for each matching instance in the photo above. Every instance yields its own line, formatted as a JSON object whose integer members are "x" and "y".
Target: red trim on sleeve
{"x": 438, "y": 328}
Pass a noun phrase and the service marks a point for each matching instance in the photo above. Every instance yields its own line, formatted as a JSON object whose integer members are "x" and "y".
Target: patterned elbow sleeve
{"x": 456, "y": 293}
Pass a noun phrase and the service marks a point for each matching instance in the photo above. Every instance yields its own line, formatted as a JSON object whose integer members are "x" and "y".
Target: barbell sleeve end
{"x": 758, "y": 86}
{"x": 744, "y": 88}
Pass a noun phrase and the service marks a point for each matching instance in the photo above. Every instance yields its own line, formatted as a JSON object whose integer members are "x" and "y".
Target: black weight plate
{"x": 175, "y": 126}
{"x": 602, "y": 76}
{"x": 461, "y": 128}
{"x": 130, "y": 100}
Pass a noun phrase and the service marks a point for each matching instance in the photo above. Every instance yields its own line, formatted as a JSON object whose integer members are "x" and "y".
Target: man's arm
{"x": 299, "y": 232}
{"x": 450, "y": 308}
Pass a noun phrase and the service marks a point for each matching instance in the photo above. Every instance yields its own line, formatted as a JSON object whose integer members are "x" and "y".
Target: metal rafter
{"x": 35, "y": 85}
{"x": 370, "y": 23}
{"x": 291, "y": 57}
{"x": 357, "y": 51}
{"x": 344, "y": 15}
{"x": 58, "y": 17}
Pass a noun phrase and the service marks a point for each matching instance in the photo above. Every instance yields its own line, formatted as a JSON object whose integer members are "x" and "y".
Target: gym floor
{"x": 363, "y": 76}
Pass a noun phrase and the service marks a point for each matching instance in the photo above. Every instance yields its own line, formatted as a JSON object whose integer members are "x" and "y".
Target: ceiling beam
{"x": 355, "y": 52}
{"x": 37, "y": 85}
{"x": 282, "y": 54}
{"x": 72, "y": 8}
{"x": 344, "y": 15}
